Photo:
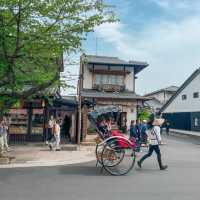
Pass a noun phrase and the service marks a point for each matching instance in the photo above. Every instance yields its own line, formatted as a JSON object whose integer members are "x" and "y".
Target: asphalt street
{"x": 85, "y": 182}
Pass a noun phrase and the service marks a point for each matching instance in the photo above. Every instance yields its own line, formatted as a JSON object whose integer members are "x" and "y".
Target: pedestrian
{"x": 55, "y": 143}
{"x": 1, "y": 137}
{"x": 143, "y": 130}
{"x": 5, "y": 133}
{"x": 66, "y": 125}
{"x": 167, "y": 127}
{"x": 138, "y": 133}
{"x": 133, "y": 131}
{"x": 155, "y": 140}
{"x": 50, "y": 129}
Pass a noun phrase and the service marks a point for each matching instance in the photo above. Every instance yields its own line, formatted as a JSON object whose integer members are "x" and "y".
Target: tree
{"x": 144, "y": 114}
{"x": 34, "y": 34}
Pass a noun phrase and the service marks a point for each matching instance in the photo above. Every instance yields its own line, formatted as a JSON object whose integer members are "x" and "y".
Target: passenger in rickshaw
{"x": 109, "y": 124}
{"x": 103, "y": 128}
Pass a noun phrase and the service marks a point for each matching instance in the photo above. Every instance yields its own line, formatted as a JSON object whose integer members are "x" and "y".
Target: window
{"x": 195, "y": 95}
{"x": 184, "y": 97}
{"x": 98, "y": 80}
{"x": 196, "y": 122}
{"x": 109, "y": 79}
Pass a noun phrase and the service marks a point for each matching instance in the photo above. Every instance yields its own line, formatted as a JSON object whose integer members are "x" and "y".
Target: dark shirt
{"x": 133, "y": 131}
{"x": 104, "y": 131}
{"x": 138, "y": 130}
{"x": 143, "y": 129}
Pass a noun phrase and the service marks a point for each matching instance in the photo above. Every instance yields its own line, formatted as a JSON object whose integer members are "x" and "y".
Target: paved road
{"x": 180, "y": 182}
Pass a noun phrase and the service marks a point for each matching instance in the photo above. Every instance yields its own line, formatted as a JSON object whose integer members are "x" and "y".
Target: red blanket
{"x": 122, "y": 142}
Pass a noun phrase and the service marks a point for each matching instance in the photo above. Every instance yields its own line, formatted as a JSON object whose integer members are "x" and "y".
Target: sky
{"x": 163, "y": 33}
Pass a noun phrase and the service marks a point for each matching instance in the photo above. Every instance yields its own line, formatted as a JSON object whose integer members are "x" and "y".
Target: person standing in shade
{"x": 50, "y": 129}
{"x": 155, "y": 140}
{"x": 1, "y": 137}
{"x": 5, "y": 134}
{"x": 66, "y": 128}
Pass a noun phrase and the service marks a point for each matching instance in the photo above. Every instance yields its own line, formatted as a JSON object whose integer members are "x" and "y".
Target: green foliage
{"x": 144, "y": 114}
{"x": 34, "y": 34}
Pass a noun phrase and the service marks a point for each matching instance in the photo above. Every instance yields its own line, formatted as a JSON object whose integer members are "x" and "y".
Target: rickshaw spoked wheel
{"x": 118, "y": 158}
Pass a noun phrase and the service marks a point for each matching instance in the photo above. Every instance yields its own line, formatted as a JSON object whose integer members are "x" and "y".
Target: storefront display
{"x": 37, "y": 122}
{"x": 18, "y": 121}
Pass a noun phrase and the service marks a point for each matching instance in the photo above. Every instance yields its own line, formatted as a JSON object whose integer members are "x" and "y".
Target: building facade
{"x": 108, "y": 81}
{"x": 183, "y": 108}
{"x": 159, "y": 97}
{"x": 29, "y": 122}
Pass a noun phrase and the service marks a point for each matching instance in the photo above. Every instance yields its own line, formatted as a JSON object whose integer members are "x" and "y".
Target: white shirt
{"x": 154, "y": 136}
{"x": 57, "y": 130}
{"x": 51, "y": 123}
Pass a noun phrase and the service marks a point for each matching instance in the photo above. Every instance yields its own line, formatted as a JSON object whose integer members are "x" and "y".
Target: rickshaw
{"x": 115, "y": 153}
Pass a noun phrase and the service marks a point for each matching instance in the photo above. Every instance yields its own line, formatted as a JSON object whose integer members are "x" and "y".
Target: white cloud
{"x": 171, "y": 48}
{"x": 173, "y": 5}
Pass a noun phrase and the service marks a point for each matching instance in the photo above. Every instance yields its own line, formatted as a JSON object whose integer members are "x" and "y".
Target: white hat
{"x": 158, "y": 122}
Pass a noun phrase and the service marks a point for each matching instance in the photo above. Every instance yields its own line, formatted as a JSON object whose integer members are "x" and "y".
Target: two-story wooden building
{"x": 108, "y": 81}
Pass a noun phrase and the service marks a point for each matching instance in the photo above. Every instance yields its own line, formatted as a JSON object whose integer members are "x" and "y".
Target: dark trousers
{"x": 151, "y": 149}
{"x": 49, "y": 134}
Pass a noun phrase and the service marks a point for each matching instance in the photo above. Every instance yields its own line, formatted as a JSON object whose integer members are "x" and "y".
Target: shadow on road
{"x": 86, "y": 169}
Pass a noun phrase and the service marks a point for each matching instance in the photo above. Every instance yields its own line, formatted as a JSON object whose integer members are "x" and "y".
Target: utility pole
{"x": 80, "y": 102}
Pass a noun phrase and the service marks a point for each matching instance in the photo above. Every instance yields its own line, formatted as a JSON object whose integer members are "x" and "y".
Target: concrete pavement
{"x": 34, "y": 156}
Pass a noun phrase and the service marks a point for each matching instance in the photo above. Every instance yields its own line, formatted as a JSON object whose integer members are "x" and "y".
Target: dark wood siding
{"x": 179, "y": 120}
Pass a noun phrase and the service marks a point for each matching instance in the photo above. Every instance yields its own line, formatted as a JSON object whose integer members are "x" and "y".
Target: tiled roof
{"x": 113, "y": 95}
{"x": 102, "y": 60}
{"x": 168, "y": 89}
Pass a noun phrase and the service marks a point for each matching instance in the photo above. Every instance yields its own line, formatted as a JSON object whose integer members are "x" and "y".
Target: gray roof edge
{"x": 120, "y": 61}
{"x": 161, "y": 90}
{"x": 183, "y": 86}
{"x": 90, "y": 93}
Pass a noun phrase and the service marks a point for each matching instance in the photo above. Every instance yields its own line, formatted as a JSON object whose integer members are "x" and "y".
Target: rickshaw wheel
{"x": 118, "y": 158}
{"x": 98, "y": 152}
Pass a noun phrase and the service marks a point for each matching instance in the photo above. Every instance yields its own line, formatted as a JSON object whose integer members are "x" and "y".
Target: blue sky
{"x": 164, "y": 33}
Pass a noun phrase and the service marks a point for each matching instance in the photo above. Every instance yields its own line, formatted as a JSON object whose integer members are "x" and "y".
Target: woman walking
{"x": 155, "y": 140}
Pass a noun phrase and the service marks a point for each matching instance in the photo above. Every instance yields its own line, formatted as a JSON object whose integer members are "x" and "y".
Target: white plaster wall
{"x": 87, "y": 78}
{"x": 130, "y": 115}
{"x": 163, "y": 98}
{"x": 159, "y": 96}
{"x": 130, "y": 82}
{"x": 154, "y": 104}
{"x": 168, "y": 96}
{"x": 190, "y": 104}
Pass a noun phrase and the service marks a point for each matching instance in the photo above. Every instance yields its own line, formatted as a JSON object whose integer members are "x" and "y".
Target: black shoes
{"x": 163, "y": 167}
{"x": 139, "y": 164}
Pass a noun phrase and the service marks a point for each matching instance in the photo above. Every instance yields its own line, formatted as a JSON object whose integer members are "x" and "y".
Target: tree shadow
{"x": 85, "y": 169}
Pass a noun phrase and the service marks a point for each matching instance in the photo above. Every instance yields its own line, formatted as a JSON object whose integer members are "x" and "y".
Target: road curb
{"x": 27, "y": 164}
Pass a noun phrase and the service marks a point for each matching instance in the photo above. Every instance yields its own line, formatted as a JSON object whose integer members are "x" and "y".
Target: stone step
{"x": 69, "y": 148}
{"x": 88, "y": 143}
{"x": 4, "y": 160}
